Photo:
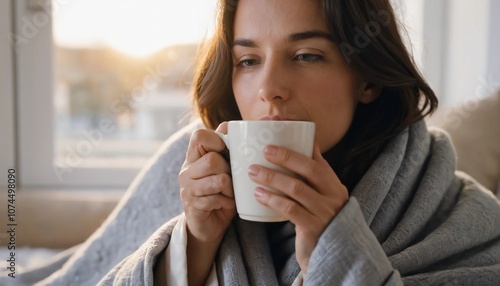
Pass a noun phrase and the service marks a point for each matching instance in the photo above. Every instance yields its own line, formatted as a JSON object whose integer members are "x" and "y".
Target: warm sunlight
{"x": 136, "y": 28}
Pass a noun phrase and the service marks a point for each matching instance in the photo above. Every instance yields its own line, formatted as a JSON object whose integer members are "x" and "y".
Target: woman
{"x": 380, "y": 204}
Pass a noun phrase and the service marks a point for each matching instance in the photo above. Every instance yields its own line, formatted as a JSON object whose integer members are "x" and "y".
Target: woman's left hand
{"x": 310, "y": 204}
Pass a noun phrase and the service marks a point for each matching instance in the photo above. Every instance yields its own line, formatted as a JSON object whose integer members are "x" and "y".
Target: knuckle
{"x": 210, "y": 160}
{"x": 311, "y": 167}
{"x": 296, "y": 188}
{"x": 268, "y": 176}
{"x": 185, "y": 196}
{"x": 183, "y": 174}
{"x": 220, "y": 180}
{"x": 285, "y": 155}
{"x": 225, "y": 179}
{"x": 198, "y": 135}
{"x": 213, "y": 163}
{"x": 198, "y": 138}
{"x": 290, "y": 207}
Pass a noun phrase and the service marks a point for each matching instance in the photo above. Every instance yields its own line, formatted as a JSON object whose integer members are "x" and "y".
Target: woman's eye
{"x": 248, "y": 63}
{"x": 308, "y": 57}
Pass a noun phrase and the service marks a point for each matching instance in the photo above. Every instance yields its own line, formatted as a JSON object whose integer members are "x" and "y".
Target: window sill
{"x": 55, "y": 218}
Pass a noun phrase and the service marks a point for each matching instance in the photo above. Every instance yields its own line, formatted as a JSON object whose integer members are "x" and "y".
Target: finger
{"x": 203, "y": 141}
{"x": 213, "y": 202}
{"x": 211, "y": 185}
{"x": 222, "y": 128}
{"x": 290, "y": 186}
{"x": 288, "y": 208}
{"x": 312, "y": 169}
{"x": 212, "y": 163}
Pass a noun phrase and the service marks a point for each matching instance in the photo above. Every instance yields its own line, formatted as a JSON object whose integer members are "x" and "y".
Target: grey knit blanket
{"x": 411, "y": 220}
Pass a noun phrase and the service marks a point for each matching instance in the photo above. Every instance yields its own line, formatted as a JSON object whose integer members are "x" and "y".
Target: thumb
{"x": 222, "y": 128}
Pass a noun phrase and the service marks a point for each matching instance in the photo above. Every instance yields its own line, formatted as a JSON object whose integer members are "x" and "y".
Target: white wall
{"x": 467, "y": 50}
{"x": 454, "y": 46}
{"x": 411, "y": 13}
{"x": 435, "y": 37}
{"x": 494, "y": 46}
{"x": 7, "y": 140}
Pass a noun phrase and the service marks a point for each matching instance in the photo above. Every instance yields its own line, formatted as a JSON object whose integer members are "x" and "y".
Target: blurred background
{"x": 89, "y": 90}
{"x": 97, "y": 85}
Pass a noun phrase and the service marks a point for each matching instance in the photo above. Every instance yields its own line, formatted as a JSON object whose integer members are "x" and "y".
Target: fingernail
{"x": 270, "y": 150}
{"x": 253, "y": 170}
{"x": 259, "y": 193}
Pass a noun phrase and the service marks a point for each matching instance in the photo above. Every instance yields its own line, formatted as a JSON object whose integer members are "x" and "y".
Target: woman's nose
{"x": 274, "y": 83}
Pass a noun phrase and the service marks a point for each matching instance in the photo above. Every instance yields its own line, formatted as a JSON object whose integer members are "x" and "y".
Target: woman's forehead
{"x": 257, "y": 18}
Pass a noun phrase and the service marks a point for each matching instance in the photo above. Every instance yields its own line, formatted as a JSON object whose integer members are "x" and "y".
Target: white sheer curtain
{"x": 454, "y": 44}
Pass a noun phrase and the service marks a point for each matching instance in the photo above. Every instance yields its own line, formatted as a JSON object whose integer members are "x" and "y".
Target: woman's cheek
{"x": 245, "y": 98}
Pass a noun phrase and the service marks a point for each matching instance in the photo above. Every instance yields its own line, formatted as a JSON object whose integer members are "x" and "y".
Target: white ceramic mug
{"x": 245, "y": 141}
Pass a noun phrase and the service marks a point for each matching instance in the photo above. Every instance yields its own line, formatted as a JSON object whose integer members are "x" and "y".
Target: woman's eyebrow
{"x": 244, "y": 43}
{"x": 296, "y": 37}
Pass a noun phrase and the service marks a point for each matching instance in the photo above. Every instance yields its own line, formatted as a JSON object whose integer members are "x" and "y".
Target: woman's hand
{"x": 208, "y": 200}
{"x": 206, "y": 186}
{"x": 311, "y": 204}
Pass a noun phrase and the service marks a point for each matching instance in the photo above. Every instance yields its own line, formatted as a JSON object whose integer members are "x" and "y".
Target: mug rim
{"x": 267, "y": 121}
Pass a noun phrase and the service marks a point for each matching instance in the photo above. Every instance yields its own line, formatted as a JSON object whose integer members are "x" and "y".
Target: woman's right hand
{"x": 206, "y": 187}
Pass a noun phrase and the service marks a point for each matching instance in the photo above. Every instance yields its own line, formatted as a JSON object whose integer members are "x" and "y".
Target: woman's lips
{"x": 274, "y": 117}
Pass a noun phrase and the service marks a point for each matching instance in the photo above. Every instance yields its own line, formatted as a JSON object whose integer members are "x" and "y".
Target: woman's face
{"x": 287, "y": 67}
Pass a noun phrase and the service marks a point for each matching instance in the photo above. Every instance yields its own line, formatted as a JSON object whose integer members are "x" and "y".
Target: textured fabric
{"x": 151, "y": 200}
{"x": 473, "y": 127}
{"x": 411, "y": 220}
{"x": 175, "y": 255}
{"x": 176, "y": 258}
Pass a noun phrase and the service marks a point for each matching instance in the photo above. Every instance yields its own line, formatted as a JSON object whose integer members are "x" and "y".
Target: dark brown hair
{"x": 368, "y": 36}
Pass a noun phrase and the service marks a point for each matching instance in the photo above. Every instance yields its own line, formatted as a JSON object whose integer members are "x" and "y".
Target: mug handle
{"x": 224, "y": 138}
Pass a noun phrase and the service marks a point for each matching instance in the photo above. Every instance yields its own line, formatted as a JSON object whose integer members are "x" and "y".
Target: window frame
{"x": 7, "y": 105}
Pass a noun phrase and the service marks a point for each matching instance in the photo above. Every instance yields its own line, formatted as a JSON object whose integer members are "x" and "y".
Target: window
{"x": 122, "y": 79}
{"x": 102, "y": 84}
